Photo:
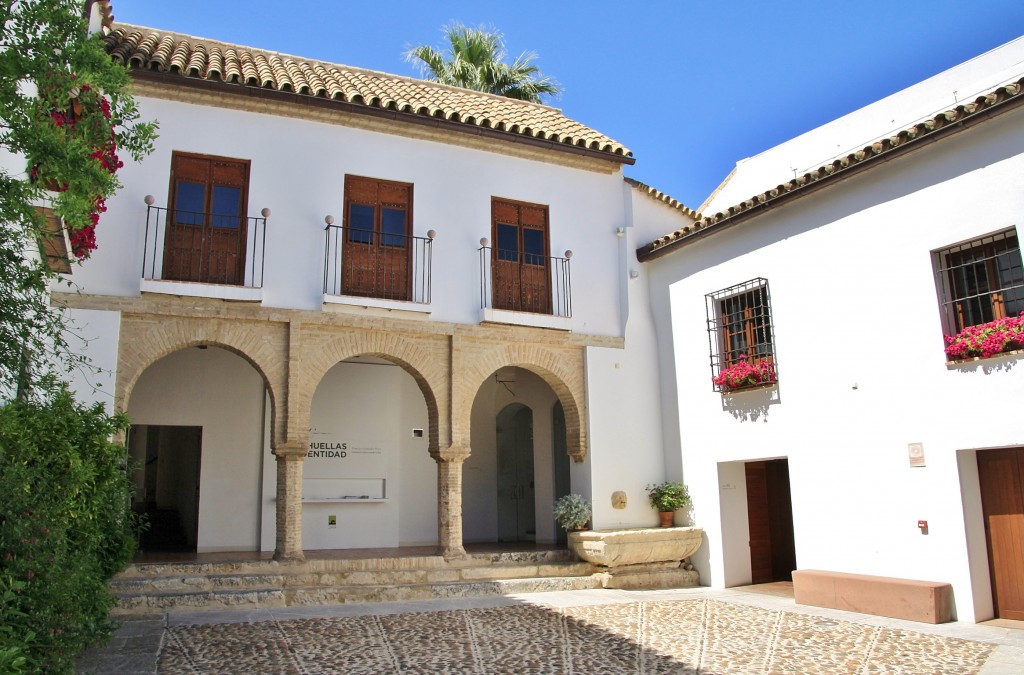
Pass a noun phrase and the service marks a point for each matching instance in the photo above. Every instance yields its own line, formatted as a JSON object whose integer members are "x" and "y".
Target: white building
{"x": 351, "y": 309}
{"x": 402, "y": 351}
{"x": 871, "y": 452}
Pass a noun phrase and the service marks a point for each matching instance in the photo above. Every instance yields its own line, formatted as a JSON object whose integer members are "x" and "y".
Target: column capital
{"x": 290, "y": 450}
{"x": 453, "y": 453}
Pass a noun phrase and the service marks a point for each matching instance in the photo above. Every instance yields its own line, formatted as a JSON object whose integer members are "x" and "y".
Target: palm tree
{"x": 475, "y": 60}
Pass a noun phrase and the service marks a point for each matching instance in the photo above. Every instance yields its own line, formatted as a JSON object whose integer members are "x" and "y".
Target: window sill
{"x": 956, "y": 363}
{"x": 488, "y": 315}
{"x": 341, "y": 301}
{"x": 198, "y": 290}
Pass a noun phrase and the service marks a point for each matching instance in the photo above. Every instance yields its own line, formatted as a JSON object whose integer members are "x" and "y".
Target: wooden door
{"x": 207, "y": 227}
{"x": 517, "y": 519}
{"x": 520, "y": 263}
{"x": 377, "y": 249}
{"x": 1001, "y": 475}
{"x": 770, "y": 518}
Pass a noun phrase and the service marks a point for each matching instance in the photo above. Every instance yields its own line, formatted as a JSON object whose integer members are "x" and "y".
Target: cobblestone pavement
{"x": 683, "y": 631}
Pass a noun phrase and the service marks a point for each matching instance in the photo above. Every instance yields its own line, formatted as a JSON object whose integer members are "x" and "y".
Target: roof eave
{"x": 653, "y": 251}
{"x": 177, "y": 80}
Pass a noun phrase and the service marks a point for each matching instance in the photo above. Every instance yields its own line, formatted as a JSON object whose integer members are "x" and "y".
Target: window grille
{"x": 980, "y": 280}
{"x": 740, "y": 330}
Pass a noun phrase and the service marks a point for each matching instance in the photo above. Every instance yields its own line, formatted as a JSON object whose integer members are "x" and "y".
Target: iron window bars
{"x": 980, "y": 280}
{"x": 740, "y": 329}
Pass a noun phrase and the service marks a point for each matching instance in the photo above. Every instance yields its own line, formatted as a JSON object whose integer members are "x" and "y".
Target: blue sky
{"x": 689, "y": 86}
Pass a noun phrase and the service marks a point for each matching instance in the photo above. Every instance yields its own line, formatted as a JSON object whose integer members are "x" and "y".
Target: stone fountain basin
{"x": 615, "y": 548}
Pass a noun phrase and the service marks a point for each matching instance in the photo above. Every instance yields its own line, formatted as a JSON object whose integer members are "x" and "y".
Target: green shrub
{"x": 572, "y": 511}
{"x": 668, "y": 496}
{"x": 66, "y": 528}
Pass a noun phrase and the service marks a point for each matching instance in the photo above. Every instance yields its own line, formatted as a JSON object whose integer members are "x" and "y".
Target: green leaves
{"x": 476, "y": 60}
{"x": 47, "y": 62}
{"x": 65, "y": 528}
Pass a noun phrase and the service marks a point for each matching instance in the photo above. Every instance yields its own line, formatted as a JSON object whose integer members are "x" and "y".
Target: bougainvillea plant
{"x": 73, "y": 114}
{"x": 66, "y": 113}
{"x": 745, "y": 373}
{"x": 987, "y": 339}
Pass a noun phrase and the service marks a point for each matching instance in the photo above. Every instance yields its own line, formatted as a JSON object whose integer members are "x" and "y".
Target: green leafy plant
{"x": 66, "y": 527}
{"x": 668, "y": 496}
{"x": 67, "y": 111}
{"x": 572, "y": 512}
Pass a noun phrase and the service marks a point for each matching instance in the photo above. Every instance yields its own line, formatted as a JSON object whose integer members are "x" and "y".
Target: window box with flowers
{"x": 741, "y": 337}
{"x": 981, "y": 294}
{"x": 987, "y": 339}
{"x": 746, "y": 374}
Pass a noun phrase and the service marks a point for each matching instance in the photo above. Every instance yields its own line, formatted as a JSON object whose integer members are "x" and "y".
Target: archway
{"x": 200, "y": 435}
{"x": 368, "y": 478}
{"x": 509, "y": 479}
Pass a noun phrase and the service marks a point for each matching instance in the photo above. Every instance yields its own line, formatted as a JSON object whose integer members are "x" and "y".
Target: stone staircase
{"x": 148, "y": 588}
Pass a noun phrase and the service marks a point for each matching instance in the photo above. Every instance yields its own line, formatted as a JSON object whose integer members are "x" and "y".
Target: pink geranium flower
{"x": 745, "y": 373}
{"x": 987, "y": 339}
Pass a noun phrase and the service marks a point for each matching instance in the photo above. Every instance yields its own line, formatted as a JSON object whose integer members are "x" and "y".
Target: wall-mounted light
{"x": 634, "y": 274}
{"x": 620, "y": 232}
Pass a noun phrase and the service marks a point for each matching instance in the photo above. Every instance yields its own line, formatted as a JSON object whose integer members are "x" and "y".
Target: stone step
{"x": 175, "y": 601}
{"x": 315, "y": 565}
{"x": 301, "y": 577}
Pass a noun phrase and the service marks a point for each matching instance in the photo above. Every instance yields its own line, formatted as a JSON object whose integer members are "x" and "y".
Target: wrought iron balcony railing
{"x": 520, "y": 281}
{"x": 204, "y": 247}
{"x": 374, "y": 264}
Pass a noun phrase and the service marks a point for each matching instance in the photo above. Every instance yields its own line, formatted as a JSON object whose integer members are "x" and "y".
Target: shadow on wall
{"x": 751, "y": 405}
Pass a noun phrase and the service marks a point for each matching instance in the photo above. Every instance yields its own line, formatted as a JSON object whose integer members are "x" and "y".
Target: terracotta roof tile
{"x": 907, "y": 139}
{"x": 198, "y": 58}
{"x": 662, "y": 197}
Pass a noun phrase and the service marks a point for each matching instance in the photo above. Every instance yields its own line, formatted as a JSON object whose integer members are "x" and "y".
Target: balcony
{"x": 203, "y": 254}
{"x": 524, "y": 288}
{"x": 377, "y": 269}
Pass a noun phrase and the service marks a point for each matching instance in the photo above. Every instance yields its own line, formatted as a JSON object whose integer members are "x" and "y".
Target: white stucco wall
{"x": 861, "y": 369}
{"x": 298, "y": 169}
{"x": 630, "y": 392}
{"x": 365, "y": 404}
{"x": 222, "y": 393}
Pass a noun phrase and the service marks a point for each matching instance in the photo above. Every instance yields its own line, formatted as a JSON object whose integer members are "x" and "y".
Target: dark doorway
{"x": 1001, "y": 476}
{"x": 560, "y": 460}
{"x": 168, "y": 460}
{"x": 516, "y": 509}
{"x": 770, "y": 515}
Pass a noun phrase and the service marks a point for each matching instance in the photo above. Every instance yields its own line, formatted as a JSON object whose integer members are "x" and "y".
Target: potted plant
{"x": 667, "y": 498}
{"x": 572, "y": 512}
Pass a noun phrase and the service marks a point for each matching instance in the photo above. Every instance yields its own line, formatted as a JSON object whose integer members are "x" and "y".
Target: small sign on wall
{"x": 916, "y": 452}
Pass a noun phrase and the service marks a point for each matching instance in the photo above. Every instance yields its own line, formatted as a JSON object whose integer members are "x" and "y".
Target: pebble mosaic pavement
{"x": 701, "y": 635}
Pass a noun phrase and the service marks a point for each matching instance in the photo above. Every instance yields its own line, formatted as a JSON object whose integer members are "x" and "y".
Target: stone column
{"x": 449, "y": 502}
{"x": 290, "y": 457}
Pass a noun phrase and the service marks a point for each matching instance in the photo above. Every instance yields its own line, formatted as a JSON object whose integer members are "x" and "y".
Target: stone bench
{"x": 925, "y": 601}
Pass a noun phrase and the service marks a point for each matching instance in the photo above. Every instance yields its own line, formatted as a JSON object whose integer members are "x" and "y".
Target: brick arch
{"x": 146, "y": 340}
{"x": 560, "y": 368}
{"x": 425, "y": 359}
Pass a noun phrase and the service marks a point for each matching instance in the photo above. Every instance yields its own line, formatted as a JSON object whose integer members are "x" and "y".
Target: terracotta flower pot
{"x": 667, "y": 518}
